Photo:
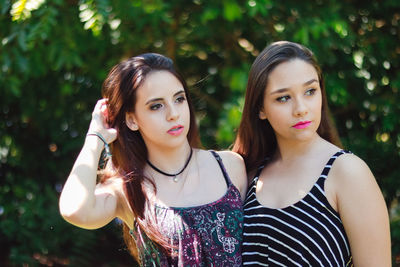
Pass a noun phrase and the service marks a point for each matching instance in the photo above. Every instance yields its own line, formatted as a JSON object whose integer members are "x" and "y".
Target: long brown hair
{"x": 255, "y": 138}
{"x": 129, "y": 150}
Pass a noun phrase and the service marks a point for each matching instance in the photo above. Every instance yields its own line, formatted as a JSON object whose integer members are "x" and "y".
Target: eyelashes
{"x": 179, "y": 99}
{"x": 155, "y": 106}
{"x": 285, "y": 98}
{"x": 310, "y": 91}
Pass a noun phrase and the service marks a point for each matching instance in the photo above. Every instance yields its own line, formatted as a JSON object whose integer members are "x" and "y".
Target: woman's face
{"x": 161, "y": 111}
{"x": 292, "y": 101}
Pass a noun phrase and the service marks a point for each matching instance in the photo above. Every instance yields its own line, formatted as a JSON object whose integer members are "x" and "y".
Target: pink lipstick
{"x": 176, "y": 130}
{"x": 302, "y": 124}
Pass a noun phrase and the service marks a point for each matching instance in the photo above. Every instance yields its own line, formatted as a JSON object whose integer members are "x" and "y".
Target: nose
{"x": 173, "y": 113}
{"x": 300, "y": 108}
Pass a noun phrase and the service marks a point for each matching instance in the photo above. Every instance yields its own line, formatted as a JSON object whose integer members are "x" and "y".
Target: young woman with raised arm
{"x": 180, "y": 205}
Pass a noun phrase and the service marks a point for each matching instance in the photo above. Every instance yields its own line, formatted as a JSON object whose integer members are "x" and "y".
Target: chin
{"x": 177, "y": 141}
{"x": 308, "y": 137}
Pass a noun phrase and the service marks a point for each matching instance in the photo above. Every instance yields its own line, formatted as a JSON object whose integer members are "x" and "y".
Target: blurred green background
{"x": 55, "y": 54}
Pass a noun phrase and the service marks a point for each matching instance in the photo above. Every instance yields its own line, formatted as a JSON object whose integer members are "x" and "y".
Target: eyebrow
{"x": 278, "y": 91}
{"x": 160, "y": 98}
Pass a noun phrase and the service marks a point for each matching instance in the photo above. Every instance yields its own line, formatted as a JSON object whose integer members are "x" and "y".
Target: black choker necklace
{"x": 175, "y": 179}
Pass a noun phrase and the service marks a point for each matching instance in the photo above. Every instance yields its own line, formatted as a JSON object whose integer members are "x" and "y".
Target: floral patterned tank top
{"x": 205, "y": 235}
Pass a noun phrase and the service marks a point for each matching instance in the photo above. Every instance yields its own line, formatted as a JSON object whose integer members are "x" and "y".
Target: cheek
{"x": 278, "y": 111}
{"x": 276, "y": 117}
{"x": 185, "y": 111}
{"x": 318, "y": 106}
{"x": 146, "y": 119}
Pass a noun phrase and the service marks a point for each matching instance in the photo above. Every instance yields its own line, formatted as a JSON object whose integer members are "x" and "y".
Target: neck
{"x": 290, "y": 150}
{"x": 169, "y": 160}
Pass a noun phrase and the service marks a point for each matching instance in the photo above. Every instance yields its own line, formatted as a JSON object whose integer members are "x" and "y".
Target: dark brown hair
{"x": 129, "y": 150}
{"x": 255, "y": 138}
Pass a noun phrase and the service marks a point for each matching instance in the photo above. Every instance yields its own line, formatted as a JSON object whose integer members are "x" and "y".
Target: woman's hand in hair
{"x": 99, "y": 122}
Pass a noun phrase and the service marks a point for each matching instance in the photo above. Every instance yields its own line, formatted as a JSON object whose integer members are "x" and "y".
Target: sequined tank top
{"x": 205, "y": 235}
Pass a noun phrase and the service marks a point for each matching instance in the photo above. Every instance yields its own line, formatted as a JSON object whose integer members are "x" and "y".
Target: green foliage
{"x": 54, "y": 56}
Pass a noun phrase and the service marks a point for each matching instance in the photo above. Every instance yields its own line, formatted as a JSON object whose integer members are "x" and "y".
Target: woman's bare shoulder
{"x": 234, "y": 165}
{"x": 350, "y": 167}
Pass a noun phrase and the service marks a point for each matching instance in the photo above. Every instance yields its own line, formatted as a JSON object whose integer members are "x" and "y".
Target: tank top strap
{"x": 328, "y": 165}
{"x": 221, "y": 165}
{"x": 257, "y": 174}
{"x": 259, "y": 169}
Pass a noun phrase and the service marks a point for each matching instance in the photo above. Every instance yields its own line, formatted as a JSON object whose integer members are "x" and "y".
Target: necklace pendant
{"x": 174, "y": 175}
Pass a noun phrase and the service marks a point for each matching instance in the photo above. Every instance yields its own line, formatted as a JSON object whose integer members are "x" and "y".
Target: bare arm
{"x": 363, "y": 211}
{"x": 82, "y": 202}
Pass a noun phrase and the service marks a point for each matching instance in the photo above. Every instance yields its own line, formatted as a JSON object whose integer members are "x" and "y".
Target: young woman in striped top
{"x": 310, "y": 203}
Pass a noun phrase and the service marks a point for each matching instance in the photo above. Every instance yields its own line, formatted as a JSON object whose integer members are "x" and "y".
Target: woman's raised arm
{"x": 82, "y": 202}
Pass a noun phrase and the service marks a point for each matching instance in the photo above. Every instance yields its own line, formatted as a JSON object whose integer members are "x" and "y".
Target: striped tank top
{"x": 307, "y": 233}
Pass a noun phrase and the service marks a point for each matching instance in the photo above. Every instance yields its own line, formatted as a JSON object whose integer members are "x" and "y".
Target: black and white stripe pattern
{"x": 307, "y": 233}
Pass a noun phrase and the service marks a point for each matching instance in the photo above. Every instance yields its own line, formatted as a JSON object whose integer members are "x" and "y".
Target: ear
{"x": 131, "y": 122}
{"x": 262, "y": 115}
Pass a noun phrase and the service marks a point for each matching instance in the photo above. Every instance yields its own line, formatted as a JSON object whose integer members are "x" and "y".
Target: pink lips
{"x": 176, "y": 130}
{"x": 302, "y": 124}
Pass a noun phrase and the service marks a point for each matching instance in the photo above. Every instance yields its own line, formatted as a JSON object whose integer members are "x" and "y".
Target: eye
{"x": 310, "y": 91}
{"x": 180, "y": 99}
{"x": 283, "y": 99}
{"x": 155, "y": 106}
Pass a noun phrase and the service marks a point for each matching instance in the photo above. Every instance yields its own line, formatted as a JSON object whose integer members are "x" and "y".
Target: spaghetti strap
{"x": 258, "y": 172}
{"x": 221, "y": 165}
{"x": 329, "y": 164}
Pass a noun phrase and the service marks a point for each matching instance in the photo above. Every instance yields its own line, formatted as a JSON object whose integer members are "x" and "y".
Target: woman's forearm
{"x": 78, "y": 197}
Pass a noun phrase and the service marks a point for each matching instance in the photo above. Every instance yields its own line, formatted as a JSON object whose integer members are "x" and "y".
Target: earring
{"x": 131, "y": 125}
{"x": 130, "y": 122}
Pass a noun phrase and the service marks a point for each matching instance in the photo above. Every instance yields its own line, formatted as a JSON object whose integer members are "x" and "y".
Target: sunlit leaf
{"x": 21, "y": 9}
